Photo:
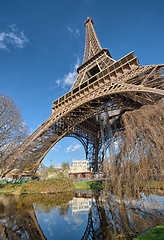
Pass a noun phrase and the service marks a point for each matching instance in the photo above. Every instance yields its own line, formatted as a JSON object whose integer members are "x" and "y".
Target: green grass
{"x": 82, "y": 185}
{"x": 9, "y": 187}
{"x": 47, "y": 186}
{"x": 50, "y": 185}
{"x": 44, "y": 186}
{"x": 88, "y": 185}
{"x": 156, "y": 233}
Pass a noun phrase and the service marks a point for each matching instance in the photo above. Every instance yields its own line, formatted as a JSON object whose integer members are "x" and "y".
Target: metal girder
{"x": 102, "y": 84}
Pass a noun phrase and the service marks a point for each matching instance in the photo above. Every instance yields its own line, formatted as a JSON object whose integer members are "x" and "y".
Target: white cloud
{"x": 69, "y": 29}
{"x": 69, "y": 78}
{"x": 75, "y": 220}
{"x": 75, "y": 33}
{"x": 73, "y": 148}
{"x": 56, "y": 148}
{"x": 12, "y": 37}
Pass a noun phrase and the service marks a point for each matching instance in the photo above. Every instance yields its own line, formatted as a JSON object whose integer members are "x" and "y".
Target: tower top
{"x": 92, "y": 45}
{"x": 89, "y": 19}
{"x": 95, "y": 58}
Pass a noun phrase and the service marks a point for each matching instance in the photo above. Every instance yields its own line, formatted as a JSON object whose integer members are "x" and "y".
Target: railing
{"x": 110, "y": 69}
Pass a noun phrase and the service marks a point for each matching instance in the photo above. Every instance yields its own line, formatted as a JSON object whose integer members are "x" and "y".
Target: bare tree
{"x": 12, "y": 128}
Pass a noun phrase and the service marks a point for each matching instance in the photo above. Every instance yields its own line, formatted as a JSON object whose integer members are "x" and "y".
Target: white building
{"x": 80, "y": 204}
{"x": 79, "y": 166}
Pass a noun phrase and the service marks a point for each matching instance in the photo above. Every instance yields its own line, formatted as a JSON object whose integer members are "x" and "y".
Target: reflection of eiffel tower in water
{"x": 17, "y": 222}
{"x": 102, "y": 85}
{"x": 110, "y": 217}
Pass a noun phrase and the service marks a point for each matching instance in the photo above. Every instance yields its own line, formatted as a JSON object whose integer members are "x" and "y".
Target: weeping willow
{"x": 139, "y": 159}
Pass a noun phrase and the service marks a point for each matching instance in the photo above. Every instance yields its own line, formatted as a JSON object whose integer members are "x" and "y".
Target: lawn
{"x": 156, "y": 233}
{"x": 42, "y": 186}
{"x": 88, "y": 185}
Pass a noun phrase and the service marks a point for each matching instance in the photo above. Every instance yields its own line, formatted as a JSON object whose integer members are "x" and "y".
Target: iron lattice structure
{"x": 102, "y": 85}
{"x": 111, "y": 216}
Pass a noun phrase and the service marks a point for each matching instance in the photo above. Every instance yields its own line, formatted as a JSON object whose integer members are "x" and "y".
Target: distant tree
{"x": 63, "y": 209}
{"x": 43, "y": 171}
{"x": 65, "y": 166}
{"x": 49, "y": 172}
{"x": 52, "y": 172}
{"x": 12, "y": 128}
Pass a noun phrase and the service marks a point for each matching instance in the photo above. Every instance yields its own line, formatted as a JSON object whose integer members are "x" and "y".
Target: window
{"x": 93, "y": 71}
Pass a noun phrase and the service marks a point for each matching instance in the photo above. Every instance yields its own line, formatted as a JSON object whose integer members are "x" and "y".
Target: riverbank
{"x": 62, "y": 192}
{"x": 64, "y": 184}
{"x": 44, "y": 186}
{"x": 156, "y": 233}
{"x": 49, "y": 186}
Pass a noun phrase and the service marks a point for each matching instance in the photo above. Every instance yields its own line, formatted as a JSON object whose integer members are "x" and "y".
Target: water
{"x": 79, "y": 215}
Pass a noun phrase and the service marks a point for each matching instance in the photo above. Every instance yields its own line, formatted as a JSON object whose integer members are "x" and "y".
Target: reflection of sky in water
{"x": 70, "y": 221}
{"x": 72, "y": 225}
{"x": 150, "y": 203}
{"x": 69, "y": 226}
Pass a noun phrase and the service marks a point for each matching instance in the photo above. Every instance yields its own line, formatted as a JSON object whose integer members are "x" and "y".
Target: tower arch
{"x": 103, "y": 84}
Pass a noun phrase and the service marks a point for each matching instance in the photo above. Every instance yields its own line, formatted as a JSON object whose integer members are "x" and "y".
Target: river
{"x": 80, "y": 215}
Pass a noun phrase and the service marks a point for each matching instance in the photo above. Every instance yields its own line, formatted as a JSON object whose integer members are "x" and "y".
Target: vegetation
{"x": 43, "y": 186}
{"x": 88, "y": 185}
{"x": 12, "y": 128}
{"x": 127, "y": 217}
{"x": 156, "y": 233}
{"x": 56, "y": 185}
{"x": 10, "y": 187}
{"x": 138, "y": 159}
{"x": 52, "y": 172}
{"x": 82, "y": 185}
{"x": 47, "y": 186}
{"x": 65, "y": 166}
{"x": 46, "y": 202}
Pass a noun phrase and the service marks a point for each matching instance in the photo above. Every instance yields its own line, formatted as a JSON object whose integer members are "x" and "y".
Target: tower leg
{"x": 108, "y": 129}
{"x": 92, "y": 156}
{"x": 102, "y": 134}
{"x": 96, "y": 158}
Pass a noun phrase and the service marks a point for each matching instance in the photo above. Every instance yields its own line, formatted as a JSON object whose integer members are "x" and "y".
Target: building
{"x": 80, "y": 170}
{"x": 79, "y": 166}
{"x": 80, "y": 204}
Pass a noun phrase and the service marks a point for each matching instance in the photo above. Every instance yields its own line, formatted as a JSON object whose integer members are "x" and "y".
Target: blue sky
{"x": 42, "y": 43}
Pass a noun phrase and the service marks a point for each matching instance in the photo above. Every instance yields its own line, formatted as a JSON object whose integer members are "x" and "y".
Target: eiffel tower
{"x": 102, "y": 85}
